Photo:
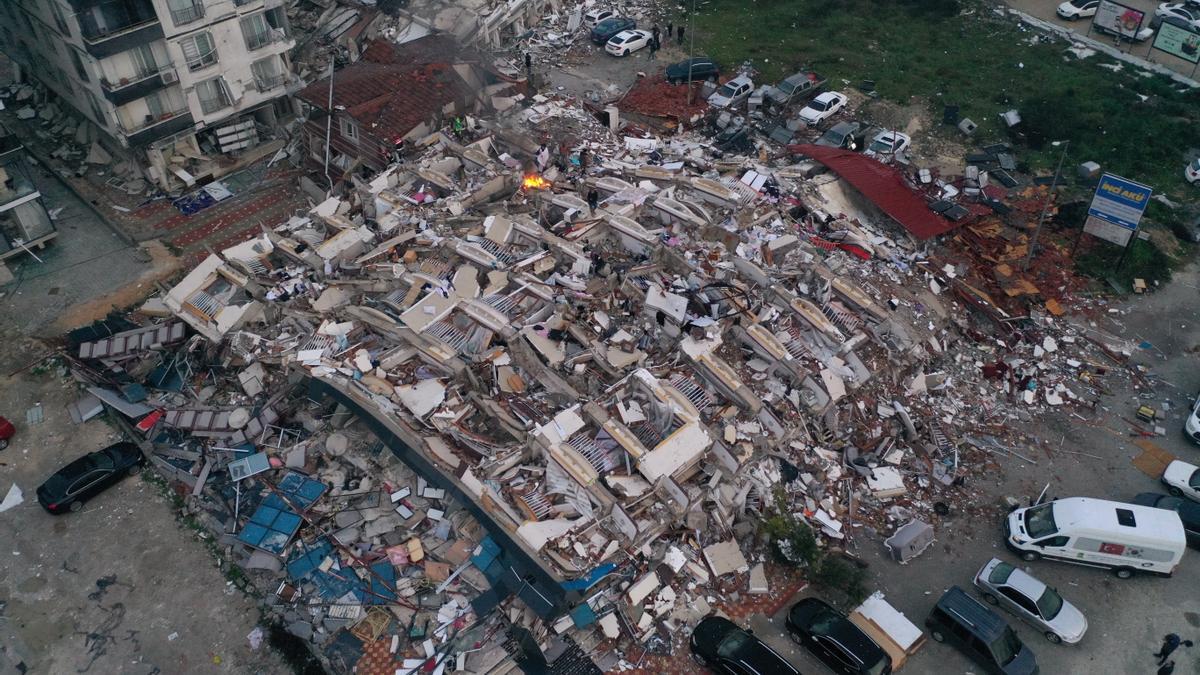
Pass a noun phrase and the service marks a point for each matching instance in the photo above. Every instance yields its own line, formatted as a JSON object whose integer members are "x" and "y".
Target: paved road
{"x": 1127, "y": 618}
{"x": 1044, "y": 9}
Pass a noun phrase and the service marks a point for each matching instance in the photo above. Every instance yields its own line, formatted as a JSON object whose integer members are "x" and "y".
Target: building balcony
{"x": 259, "y": 40}
{"x": 139, "y": 86}
{"x": 186, "y": 15}
{"x": 155, "y": 128}
{"x": 265, "y": 84}
{"x": 104, "y": 44}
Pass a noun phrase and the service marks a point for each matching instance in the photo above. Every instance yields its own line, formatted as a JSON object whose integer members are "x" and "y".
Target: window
{"x": 1000, "y": 573}
{"x": 143, "y": 60}
{"x": 199, "y": 51}
{"x": 1125, "y": 517}
{"x": 59, "y": 19}
{"x": 1053, "y": 541}
{"x": 156, "y": 105}
{"x": 185, "y": 11}
{"x": 213, "y": 94}
{"x": 266, "y": 73}
{"x": 97, "y": 111}
{"x": 80, "y": 68}
{"x": 1020, "y": 600}
{"x": 256, "y": 31}
{"x": 349, "y": 129}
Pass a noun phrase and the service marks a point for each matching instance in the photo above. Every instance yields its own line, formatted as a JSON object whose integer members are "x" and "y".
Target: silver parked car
{"x": 1033, "y": 601}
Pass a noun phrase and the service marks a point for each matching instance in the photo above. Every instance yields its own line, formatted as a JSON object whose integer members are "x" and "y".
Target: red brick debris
{"x": 655, "y": 97}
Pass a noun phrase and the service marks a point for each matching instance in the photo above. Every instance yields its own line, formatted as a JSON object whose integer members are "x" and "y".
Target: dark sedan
{"x": 699, "y": 68}
{"x": 1189, "y": 512}
{"x": 720, "y": 645}
{"x": 88, "y": 476}
{"x": 608, "y": 28}
{"x": 835, "y": 640}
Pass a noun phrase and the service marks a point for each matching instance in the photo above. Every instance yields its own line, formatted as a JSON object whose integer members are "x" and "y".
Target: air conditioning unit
{"x": 169, "y": 76}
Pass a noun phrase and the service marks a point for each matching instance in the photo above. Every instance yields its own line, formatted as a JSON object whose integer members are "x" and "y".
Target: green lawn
{"x": 984, "y": 64}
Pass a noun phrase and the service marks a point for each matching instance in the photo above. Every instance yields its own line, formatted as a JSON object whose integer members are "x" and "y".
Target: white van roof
{"x": 1083, "y": 513}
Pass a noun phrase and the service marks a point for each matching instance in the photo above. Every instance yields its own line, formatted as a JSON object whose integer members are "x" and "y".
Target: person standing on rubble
{"x": 679, "y": 34}
{"x": 593, "y": 199}
{"x": 654, "y": 45}
{"x": 529, "y": 64}
{"x": 583, "y": 161}
{"x": 654, "y": 32}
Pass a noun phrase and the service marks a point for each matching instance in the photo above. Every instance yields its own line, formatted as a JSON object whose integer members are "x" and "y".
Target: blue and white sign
{"x": 1117, "y": 208}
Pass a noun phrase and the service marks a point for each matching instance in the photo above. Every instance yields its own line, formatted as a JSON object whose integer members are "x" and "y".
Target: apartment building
{"x": 177, "y": 86}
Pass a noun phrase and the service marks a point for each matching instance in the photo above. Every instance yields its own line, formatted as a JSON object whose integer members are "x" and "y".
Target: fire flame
{"x": 535, "y": 182}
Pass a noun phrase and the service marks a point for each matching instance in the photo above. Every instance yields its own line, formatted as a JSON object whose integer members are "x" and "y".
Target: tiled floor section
{"x": 268, "y": 200}
{"x": 377, "y": 659}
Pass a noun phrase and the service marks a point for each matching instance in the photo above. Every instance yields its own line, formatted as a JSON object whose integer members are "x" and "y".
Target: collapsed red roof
{"x": 885, "y": 186}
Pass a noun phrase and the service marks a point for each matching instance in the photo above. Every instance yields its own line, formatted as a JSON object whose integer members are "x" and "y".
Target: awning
{"x": 885, "y": 186}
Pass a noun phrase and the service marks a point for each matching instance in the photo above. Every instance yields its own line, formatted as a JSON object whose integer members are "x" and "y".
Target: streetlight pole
{"x": 691, "y": 29}
{"x": 1046, "y": 205}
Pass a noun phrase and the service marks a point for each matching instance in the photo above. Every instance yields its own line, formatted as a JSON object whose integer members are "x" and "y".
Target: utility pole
{"x": 1045, "y": 205}
{"x": 329, "y": 124}
{"x": 691, "y": 51}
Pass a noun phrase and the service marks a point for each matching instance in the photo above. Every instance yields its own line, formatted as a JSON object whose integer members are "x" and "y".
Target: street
{"x": 1127, "y": 619}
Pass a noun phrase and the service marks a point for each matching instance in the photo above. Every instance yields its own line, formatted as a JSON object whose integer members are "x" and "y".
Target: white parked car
{"x": 1077, "y": 9}
{"x": 1192, "y": 172}
{"x": 595, "y": 16}
{"x": 732, "y": 92}
{"x": 1184, "y": 13}
{"x": 888, "y": 144}
{"x": 823, "y": 107}
{"x": 1034, "y": 602}
{"x": 627, "y": 42}
{"x": 1183, "y": 480}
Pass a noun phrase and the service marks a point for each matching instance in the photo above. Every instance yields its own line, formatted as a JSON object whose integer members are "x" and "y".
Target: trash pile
{"x": 540, "y": 386}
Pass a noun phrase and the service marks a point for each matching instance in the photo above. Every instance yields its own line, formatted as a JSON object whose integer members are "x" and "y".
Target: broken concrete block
{"x": 758, "y": 580}
{"x": 725, "y": 558}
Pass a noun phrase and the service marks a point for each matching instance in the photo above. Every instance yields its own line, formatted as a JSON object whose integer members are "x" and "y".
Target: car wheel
{"x": 1175, "y": 492}
{"x": 76, "y": 506}
{"x": 625, "y": 53}
{"x": 937, "y": 636}
{"x": 990, "y": 599}
{"x": 1053, "y": 638}
{"x": 1123, "y": 572}
{"x": 1030, "y": 556}
{"x": 3, "y": 444}
{"x": 699, "y": 659}
{"x": 135, "y": 469}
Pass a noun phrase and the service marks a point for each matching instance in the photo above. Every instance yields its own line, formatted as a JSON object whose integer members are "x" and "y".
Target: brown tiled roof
{"x": 392, "y": 89}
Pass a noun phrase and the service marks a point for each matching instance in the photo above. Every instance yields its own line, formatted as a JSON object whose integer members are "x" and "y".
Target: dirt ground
{"x": 119, "y": 587}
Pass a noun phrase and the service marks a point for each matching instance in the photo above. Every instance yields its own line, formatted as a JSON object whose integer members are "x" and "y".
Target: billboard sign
{"x": 1113, "y": 17}
{"x": 1116, "y": 209}
{"x": 1178, "y": 41}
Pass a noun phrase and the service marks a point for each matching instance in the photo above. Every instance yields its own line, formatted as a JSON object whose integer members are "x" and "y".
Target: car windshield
{"x": 1050, "y": 604}
{"x": 788, "y": 86}
{"x": 1007, "y": 647}
{"x": 823, "y": 622}
{"x": 878, "y": 667}
{"x": 1039, "y": 521}
{"x": 1000, "y": 573}
{"x": 1196, "y": 166}
{"x": 818, "y": 105}
{"x": 1194, "y": 481}
{"x": 1079, "y": 4}
{"x": 882, "y": 144}
{"x": 727, "y": 89}
{"x": 732, "y": 644}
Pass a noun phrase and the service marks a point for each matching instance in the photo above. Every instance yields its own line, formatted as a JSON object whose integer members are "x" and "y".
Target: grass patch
{"x": 934, "y": 52}
{"x": 1143, "y": 260}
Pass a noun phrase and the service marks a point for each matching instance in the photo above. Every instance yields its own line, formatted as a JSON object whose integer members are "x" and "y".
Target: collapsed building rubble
{"x": 472, "y": 402}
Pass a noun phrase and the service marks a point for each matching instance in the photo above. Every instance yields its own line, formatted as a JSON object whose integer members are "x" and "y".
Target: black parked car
{"x": 1189, "y": 512}
{"x": 88, "y": 476}
{"x": 846, "y": 135}
{"x": 606, "y": 29}
{"x": 702, "y": 67}
{"x": 833, "y": 639}
{"x": 724, "y": 648}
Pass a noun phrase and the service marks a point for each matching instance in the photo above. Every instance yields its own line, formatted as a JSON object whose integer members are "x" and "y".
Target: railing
{"x": 211, "y": 105}
{"x": 187, "y": 14}
{"x": 264, "y": 38}
{"x": 203, "y": 62}
{"x": 93, "y": 34}
{"x": 137, "y": 78}
{"x": 149, "y": 121}
{"x": 270, "y": 82}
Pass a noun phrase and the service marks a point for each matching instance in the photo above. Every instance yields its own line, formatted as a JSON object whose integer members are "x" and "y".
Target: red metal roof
{"x": 885, "y": 186}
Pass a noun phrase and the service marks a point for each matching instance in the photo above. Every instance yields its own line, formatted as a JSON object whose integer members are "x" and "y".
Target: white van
{"x": 1125, "y": 538}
